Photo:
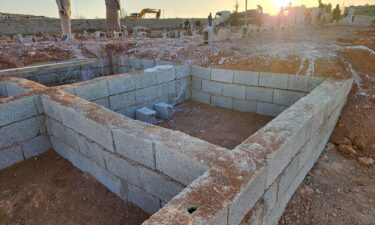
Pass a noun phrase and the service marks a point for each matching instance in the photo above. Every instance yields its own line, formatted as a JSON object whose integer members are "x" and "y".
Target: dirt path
{"x": 48, "y": 190}
{"x": 224, "y": 127}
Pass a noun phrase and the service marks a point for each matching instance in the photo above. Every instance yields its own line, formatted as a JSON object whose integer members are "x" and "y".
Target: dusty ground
{"x": 341, "y": 187}
{"x": 224, "y": 127}
{"x": 48, "y": 190}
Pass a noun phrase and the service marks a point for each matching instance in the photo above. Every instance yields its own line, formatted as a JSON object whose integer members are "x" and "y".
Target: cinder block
{"x": 93, "y": 90}
{"x": 165, "y": 75}
{"x": 21, "y": 131}
{"x": 234, "y": 91}
{"x": 287, "y": 98}
{"x": 91, "y": 150}
{"x": 146, "y": 79}
{"x": 247, "y": 198}
{"x": 145, "y": 115}
{"x": 298, "y": 83}
{"x": 10, "y": 156}
{"x": 3, "y": 90}
{"x": 274, "y": 80}
{"x": 83, "y": 163}
{"x": 38, "y": 103}
{"x": 260, "y": 94}
{"x": 197, "y": 83}
{"x": 14, "y": 89}
{"x": 246, "y": 77}
{"x": 269, "y": 109}
{"x": 163, "y": 110}
{"x": 224, "y": 102}
{"x": 124, "y": 169}
{"x": 123, "y": 100}
{"x": 17, "y": 110}
{"x": 134, "y": 146}
{"x": 178, "y": 166}
{"x": 222, "y": 75}
{"x": 314, "y": 82}
{"x": 36, "y": 146}
{"x": 212, "y": 87}
{"x": 148, "y": 63}
{"x": 183, "y": 89}
{"x": 167, "y": 88}
{"x": 143, "y": 200}
{"x": 159, "y": 185}
{"x": 183, "y": 71}
{"x": 244, "y": 105}
{"x": 201, "y": 72}
{"x": 288, "y": 175}
{"x": 270, "y": 197}
{"x": 146, "y": 94}
{"x": 201, "y": 97}
{"x": 103, "y": 102}
{"x": 94, "y": 130}
{"x": 122, "y": 84}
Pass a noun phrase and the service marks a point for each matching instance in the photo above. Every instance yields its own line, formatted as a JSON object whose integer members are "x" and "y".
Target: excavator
{"x": 142, "y": 14}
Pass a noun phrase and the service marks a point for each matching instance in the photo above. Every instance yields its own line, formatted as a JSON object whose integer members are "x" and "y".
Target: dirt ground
{"x": 224, "y": 127}
{"x": 341, "y": 187}
{"x": 48, "y": 190}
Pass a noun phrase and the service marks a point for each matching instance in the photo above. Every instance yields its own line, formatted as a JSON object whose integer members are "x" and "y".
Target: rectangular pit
{"x": 190, "y": 180}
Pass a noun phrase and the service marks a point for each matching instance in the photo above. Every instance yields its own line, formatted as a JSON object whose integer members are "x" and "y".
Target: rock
{"x": 348, "y": 149}
{"x": 371, "y": 148}
{"x": 366, "y": 161}
{"x": 343, "y": 141}
{"x": 330, "y": 146}
{"x": 360, "y": 142}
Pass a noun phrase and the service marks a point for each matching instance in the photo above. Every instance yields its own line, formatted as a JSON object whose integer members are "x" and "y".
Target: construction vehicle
{"x": 142, "y": 14}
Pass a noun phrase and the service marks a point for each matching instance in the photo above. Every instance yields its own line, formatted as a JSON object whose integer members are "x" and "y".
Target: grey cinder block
{"x": 201, "y": 97}
{"x": 224, "y": 102}
{"x": 246, "y": 77}
{"x": 212, "y": 87}
{"x": 274, "y": 80}
{"x": 234, "y": 91}
{"x": 36, "y": 146}
{"x": 10, "y": 156}
{"x": 222, "y": 75}
{"x": 260, "y": 94}
{"x": 143, "y": 199}
{"x": 17, "y": 110}
{"x": 163, "y": 110}
{"x": 201, "y": 72}
{"x": 145, "y": 115}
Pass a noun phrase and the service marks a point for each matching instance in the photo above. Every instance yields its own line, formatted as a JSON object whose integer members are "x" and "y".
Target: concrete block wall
{"x": 119, "y": 152}
{"x": 270, "y": 166}
{"x": 305, "y": 150}
{"x": 22, "y": 123}
{"x": 126, "y": 93}
{"x": 62, "y": 73}
{"x": 246, "y": 91}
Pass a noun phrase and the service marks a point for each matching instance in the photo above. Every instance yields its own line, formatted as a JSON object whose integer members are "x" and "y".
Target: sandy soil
{"x": 341, "y": 187}
{"x": 224, "y": 127}
{"x": 48, "y": 190}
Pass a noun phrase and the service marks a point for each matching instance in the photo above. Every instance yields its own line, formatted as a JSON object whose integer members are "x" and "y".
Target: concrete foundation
{"x": 183, "y": 180}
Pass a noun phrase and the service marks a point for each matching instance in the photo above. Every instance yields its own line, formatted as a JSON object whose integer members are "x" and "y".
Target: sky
{"x": 170, "y": 8}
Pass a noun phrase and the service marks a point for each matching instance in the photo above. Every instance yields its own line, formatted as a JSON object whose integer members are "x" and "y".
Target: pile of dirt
{"x": 49, "y": 190}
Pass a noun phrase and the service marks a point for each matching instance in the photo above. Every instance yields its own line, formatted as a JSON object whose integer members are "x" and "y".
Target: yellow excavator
{"x": 142, "y": 14}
